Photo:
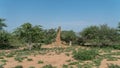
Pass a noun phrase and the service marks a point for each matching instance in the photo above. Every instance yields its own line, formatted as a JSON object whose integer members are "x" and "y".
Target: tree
{"x": 4, "y": 35}
{"x": 29, "y": 34}
{"x": 68, "y": 36}
{"x": 100, "y": 35}
{"x": 49, "y": 36}
{"x": 2, "y": 24}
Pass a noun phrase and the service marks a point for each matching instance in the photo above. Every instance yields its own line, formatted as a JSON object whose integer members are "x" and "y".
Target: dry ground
{"x": 53, "y": 58}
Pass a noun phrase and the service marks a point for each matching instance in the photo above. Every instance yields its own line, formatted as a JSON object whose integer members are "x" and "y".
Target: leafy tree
{"x": 49, "y": 36}
{"x": 29, "y": 34}
{"x": 68, "y": 36}
{"x": 2, "y": 24}
{"x": 100, "y": 35}
{"x": 4, "y": 35}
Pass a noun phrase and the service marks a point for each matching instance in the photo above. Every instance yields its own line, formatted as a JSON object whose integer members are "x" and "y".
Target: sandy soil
{"x": 104, "y": 63}
{"x": 53, "y": 59}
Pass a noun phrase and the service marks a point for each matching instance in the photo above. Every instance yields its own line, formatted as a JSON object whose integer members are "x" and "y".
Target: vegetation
{"x": 18, "y": 66}
{"x": 68, "y": 36}
{"x": 97, "y": 43}
{"x": 35, "y": 36}
{"x": 101, "y": 35}
{"x": 48, "y": 66}
{"x": 113, "y": 66}
{"x": 85, "y": 54}
{"x": 40, "y": 62}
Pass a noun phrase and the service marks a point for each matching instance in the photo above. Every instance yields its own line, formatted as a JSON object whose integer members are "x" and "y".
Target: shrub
{"x": 3, "y": 60}
{"x": 29, "y": 59}
{"x": 1, "y": 57}
{"x": 113, "y": 66}
{"x": 37, "y": 46}
{"x": 19, "y": 59}
{"x": 65, "y": 66}
{"x": 48, "y": 66}
{"x": 31, "y": 67}
{"x": 18, "y": 66}
{"x": 9, "y": 55}
{"x": 85, "y": 54}
{"x": 116, "y": 46}
{"x": 40, "y": 62}
{"x": 1, "y": 66}
{"x": 73, "y": 63}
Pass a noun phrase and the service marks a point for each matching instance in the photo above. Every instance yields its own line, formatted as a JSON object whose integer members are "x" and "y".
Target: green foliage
{"x": 100, "y": 35}
{"x": 29, "y": 34}
{"x": 2, "y": 24}
{"x": 18, "y": 66}
{"x": 40, "y": 62}
{"x": 48, "y": 66}
{"x": 49, "y": 36}
{"x": 4, "y": 40}
{"x": 115, "y": 46}
{"x": 67, "y": 54}
{"x": 9, "y": 55}
{"x": 85, "y": 54}
{"x": 68, "y": 36}
{"x": 19, "y": 59}
{"x": 3, "y": 60}
{"x": 113, "y": 66}
{"x": 37, "y": 46}
{"x": 29, "y": 59}
{"x": 1, "y": 66}
{"x": 1, "y": 57}
{"x": 65, "y": 66}
{"x": 68, "y": 60}
{"x": 31, "y": 67}
{"x": 73, "y": 63}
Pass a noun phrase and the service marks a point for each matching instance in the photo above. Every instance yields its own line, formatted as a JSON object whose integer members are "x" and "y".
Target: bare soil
{"x": 57, "y": 60}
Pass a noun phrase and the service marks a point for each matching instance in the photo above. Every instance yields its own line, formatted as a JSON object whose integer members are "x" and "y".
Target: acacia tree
{"x": 68, "y": 36}
{"x": 29, "y": 34}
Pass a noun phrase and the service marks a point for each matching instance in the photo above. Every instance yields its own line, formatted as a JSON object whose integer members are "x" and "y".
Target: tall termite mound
{"x": 58, "y": 36}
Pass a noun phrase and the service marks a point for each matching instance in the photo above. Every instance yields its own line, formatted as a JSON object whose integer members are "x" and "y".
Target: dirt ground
{"x": 51, "y": 58}
{"x": 105, "y": 62}
{"x": 57, "y": 60}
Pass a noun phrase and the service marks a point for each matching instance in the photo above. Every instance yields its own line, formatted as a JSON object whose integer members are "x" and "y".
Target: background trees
{"x": 4, "y": 35}
{"x": 68, "y": 36}
{"x": 29, "y": 34}
{"x": 100, "y": 35}
{"x": 2, "y": 24}
{"x": 49, "y": 36}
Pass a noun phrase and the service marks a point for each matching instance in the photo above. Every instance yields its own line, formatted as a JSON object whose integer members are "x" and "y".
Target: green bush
{"x": 31, "y": 67}
{"x": 65, "y": 66}
{"x": 4, "y": 60}
{"x": 1, "y": 66}
{"x": 9, "y": 55}
{"x": 113, "y": 66}
{"x": 18, "y": 66}
{"x": 40, "y": 62}
{"x": 116, "y": 46}
{"x": 73, "y": 63}
{"x": 48, "y": 66}
{"x": 85, "y": 54}
{"x": 29, "y": 59}
{"x": 37, "y": 46}
{"x": 19, "y": 59}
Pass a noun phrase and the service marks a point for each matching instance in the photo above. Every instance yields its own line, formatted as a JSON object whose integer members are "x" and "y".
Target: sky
{"x": 69, "y": 14}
